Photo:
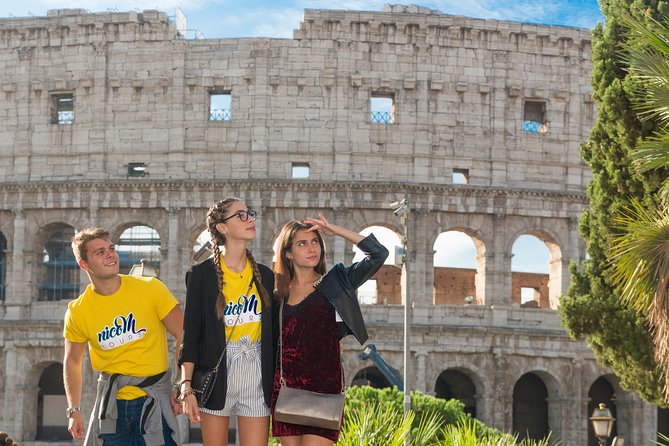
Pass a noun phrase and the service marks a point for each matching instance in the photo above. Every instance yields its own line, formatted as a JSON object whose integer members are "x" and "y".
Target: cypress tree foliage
{"x": 619, "y": 336}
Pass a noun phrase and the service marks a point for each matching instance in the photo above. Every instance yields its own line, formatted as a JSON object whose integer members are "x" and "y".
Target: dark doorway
{"x": 601, "y": 391}
{"x": 370, "y": 376}
{"x": 50, "y": 403}
{"x": 453, "y": 384}
{"x": 530, "y": 408}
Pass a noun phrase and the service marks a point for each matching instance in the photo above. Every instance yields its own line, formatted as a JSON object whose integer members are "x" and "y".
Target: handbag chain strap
{"x": 281, "y": 380}
{"x": 225, "y": 347}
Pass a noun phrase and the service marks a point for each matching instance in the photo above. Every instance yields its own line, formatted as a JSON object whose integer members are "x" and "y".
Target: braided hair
{"x": 217, "y": 212}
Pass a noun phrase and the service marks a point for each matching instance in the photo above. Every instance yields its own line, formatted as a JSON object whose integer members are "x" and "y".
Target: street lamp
{"x": 143, "y": 269}
{"x": 401, "y": 209}
{"x": 602, "y": 423}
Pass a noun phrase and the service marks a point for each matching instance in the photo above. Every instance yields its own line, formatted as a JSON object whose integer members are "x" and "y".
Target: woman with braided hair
{"x": 229, "y": 308}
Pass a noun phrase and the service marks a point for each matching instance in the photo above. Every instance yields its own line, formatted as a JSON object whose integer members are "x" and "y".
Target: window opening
{"x": 534, "y": 117}
{"x": 460, "y": 176}
{"x": 220, "y": 106}
{"x": 382, "y": 109}
{"x": 300, "y": 170}
{"x": 62, "y": 109}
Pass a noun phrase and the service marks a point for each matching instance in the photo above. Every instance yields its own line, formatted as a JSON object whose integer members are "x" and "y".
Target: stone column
{"x": 339, "y": 251}
{"x": 421, "y": 259}
{"x": 420, "y": 379}
{"x": 498, "y": 269}
{"x": 171, "y": 271}
{"x": 18, "y": 292}
{"x": 636, "y": 420}
{"x": 13, "y": 408}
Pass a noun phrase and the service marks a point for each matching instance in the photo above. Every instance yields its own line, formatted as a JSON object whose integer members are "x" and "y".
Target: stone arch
{"x": 370, "y": 376}
{"x": 28, "y": 381}
{"x": 56, "y": 272}
{"x": 602, "y": 390}
{"x": 50, "y": 402}
{"x": 200, "y": 245}
{"x": 536, "y": 407}
{"x": 467, "y": 285}
{"x": 461, "y": 384}
{"x": 548, "y": 287}
{"x": 385, "y": 287}
{"x": 136, "y": 241}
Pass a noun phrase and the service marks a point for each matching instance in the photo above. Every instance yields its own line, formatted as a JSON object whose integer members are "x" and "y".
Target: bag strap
{"x": 225, "y": 347}
{"x": 281, "y": 380}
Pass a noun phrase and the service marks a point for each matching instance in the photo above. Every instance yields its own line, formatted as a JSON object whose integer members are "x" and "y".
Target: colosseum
{"x": 119, "y": 120}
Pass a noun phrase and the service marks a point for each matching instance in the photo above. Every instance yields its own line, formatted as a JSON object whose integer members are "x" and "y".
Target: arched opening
{"x": 50, "y": 403}
{"x": 530, "y": 408}
{"x": 454, "y": 384}
{"x": 536, "y": 272}
{"x": 137, "y": 243}
{"x": 202, "y": 248}
{"x": 601, "y": 391}
{"x": 371, "y": 376}
{"x": 385, "y": 286}
{"x": 456, "y": 269}
{"x": 58, "y": 274}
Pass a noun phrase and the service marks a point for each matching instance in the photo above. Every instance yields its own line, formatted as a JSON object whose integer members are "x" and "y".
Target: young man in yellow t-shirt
{"x": 123, "y": 319}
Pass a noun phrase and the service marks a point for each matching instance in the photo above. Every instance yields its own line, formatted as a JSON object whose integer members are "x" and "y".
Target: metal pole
{"x": 407, "y": 312}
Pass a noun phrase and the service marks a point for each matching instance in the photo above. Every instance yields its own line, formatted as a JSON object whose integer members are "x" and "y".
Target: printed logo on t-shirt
{"x": 122, "y": 331}
{"x": 248, "y": 309}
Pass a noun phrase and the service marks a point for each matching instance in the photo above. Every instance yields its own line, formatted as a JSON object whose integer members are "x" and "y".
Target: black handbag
{"x": 299, "y": 406}
{"x": 203, "y": 381}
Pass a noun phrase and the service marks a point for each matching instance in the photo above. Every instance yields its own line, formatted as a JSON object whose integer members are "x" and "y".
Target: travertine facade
{"x": 86, "y": 94}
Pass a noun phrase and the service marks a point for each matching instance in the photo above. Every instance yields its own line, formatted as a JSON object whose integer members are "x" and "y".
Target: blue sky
{"x": 278, "y": 18}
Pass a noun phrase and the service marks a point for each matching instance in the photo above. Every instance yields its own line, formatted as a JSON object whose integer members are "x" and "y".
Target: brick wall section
{"x": 530, "y": 280}
{"x": 451, "y": 285}
{"x": 388, "y": 285}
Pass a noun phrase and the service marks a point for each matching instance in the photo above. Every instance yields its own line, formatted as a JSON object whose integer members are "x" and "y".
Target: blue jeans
{"x": 127, "y": 426}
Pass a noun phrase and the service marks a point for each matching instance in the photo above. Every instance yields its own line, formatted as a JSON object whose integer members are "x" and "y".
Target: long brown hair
{"x": 217, "y": 212}
{"x": 283, "y": 266}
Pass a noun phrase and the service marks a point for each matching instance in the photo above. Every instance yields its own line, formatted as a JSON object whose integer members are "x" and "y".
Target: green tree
{"x": 618, "y": 334}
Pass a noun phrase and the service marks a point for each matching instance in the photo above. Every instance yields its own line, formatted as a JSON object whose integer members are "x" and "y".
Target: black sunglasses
{"x": 243, "y": 215}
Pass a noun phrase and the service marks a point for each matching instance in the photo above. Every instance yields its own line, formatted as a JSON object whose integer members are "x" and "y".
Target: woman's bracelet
{"x": 184, "y": 382}
{"x": 186, "y": 392}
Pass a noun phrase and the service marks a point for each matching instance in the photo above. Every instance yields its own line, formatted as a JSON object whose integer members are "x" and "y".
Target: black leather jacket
{"x": 340, "y": 283}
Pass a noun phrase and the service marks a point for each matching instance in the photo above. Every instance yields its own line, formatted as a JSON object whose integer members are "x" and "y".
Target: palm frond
{"x": 640, "y": 271}
{"x": 652, "y": 153}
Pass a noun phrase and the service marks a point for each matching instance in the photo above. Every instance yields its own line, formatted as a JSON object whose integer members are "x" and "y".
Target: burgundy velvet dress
{"x": 311, "y": 358}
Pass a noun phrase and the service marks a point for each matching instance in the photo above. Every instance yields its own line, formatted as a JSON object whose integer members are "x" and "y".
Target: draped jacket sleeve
{"x": 339, "y": 286}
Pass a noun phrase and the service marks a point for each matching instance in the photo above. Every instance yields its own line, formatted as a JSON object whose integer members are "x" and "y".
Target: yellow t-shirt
{"x": 242, "y": 304}
{"x": 124, "y": 331}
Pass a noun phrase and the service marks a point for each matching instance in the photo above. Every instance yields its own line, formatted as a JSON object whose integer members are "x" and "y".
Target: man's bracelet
{"x": 71, "y": 410}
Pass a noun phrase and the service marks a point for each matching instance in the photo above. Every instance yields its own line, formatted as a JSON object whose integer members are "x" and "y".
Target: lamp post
{"x": 602, "y": 423}
{"x": 401, "y": 209}
{"x": 143, "y": 269}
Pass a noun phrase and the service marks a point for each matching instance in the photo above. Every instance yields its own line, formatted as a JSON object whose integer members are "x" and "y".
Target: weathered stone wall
{"x": 141, "y": 94}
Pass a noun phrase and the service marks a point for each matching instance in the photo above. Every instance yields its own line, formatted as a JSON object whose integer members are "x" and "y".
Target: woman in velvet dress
{"x": 319, "y": 309}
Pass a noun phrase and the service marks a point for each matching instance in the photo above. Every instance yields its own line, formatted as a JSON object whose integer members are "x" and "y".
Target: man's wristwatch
{"x": 71, "y": 410}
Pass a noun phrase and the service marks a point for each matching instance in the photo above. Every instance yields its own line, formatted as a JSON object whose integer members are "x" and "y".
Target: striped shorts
{"x": 244, "y": 395}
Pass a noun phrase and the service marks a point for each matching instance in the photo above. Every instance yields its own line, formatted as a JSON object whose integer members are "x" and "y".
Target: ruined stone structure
{"x": 112, "y": 119}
